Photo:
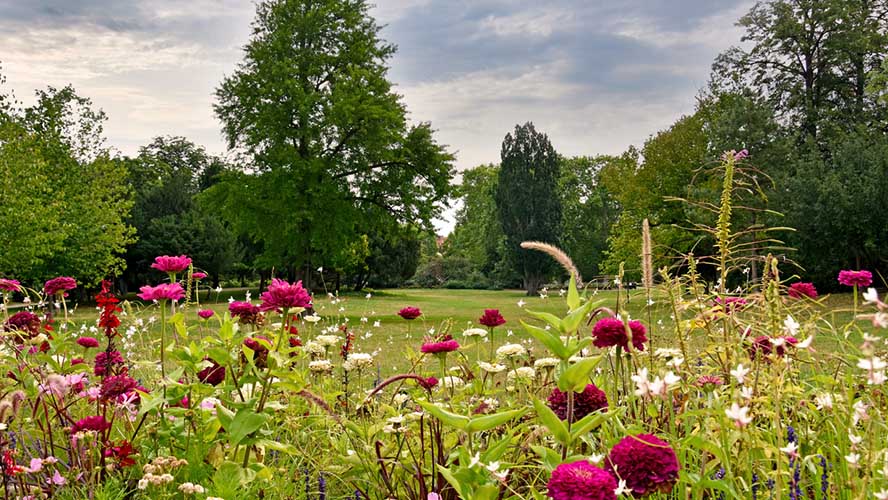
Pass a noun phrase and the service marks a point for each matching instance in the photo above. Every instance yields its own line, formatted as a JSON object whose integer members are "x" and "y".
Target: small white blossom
{"x": 740, "y": 415}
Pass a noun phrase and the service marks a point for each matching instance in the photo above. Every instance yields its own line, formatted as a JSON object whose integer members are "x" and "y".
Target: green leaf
{"x": 552, "y": 422}
{"x": 592, "y": 421}
{"x": 576, "y": 376}
{"x": 573, "y": 296}
{"x": 575, "y": 317}
{"x": 487, "y": 422}
{"x": 453, "y": 482}
{"x": 245, "y": 423}
{"x": 550, "y": 457}
{"x": 289, "y": 449}
{"x": 549, "y": 318}
{"x": 549, "y": 339}
{"x": 452, "y": 419}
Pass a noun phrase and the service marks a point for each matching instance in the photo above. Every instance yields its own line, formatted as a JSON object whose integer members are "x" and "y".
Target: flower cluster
{"x": 609, "y": 332}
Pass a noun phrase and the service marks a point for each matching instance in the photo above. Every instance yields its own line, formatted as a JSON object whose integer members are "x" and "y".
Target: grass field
{"x": 378, "y": 329}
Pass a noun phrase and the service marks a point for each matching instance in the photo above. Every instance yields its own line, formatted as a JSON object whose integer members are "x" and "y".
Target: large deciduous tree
{"x": 328, "y": 140}
{"x": 527, "y": 201}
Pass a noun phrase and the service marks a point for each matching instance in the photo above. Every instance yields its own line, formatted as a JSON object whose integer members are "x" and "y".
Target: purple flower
{"x": 647, "y": 464}
{"x": 59, "y": 285}
{"x": 117, "y": 385}
{"x": 164, "y": 291}
{"x": 168, "y": 264}
{"x": 87, "y": 342}
{"x": 581, "y": 481}
{"x": 856, "y": 278}
{"x": 409, "y": 313}
{"x": 282, "y": 295}
{"x": 10, "y": 285}
{"x": 591, "y": 399}
{"x": 611, "y": 331}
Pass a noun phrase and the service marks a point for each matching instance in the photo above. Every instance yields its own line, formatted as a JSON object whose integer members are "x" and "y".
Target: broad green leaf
{"x": 592, "y": 421}
{"x": 576, "y": 376}
{"x": 552, "y": 422}
{"x": 573, "y": 296}
{"x": 487, "y": 422}
{"x": 453, "y": 482}
{"x": 289, "y": 449}
{"x": 245, "y": 422}
{"x": 452, "y": 419}
{"x": 549, "y": 339}
{"x": 549, "y": 318}
{"x": 550, "y": 457}
{"x": 575, "y": 317}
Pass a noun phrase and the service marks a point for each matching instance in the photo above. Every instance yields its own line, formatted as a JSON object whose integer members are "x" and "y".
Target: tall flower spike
{"x": 557, "y": 254}
{"x": 647, "y": 265}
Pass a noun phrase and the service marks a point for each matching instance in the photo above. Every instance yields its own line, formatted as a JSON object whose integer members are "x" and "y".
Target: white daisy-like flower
{"x": 327, "y": 340}
{"x": 312, "y": 318}
{"x": 546, "y": 362}
{"x": 491, "y": 367}
{"x": 510, "y": 351}
{"x": 475, "y": 332}
{"x": 321, "y": 365}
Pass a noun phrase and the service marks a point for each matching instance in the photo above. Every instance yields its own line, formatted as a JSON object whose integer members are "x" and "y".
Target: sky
{"x": 595, "y": 75}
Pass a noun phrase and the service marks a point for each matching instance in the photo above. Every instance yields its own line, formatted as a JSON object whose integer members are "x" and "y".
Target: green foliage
{"x": 327, "y": 137}
{"x": 527, "y": 202}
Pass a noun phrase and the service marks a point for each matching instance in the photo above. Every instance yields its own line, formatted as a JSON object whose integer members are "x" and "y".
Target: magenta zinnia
{"x": 802, "y": 289}
{"x": 410, "y": 313}
{"x": 856, "y": 278}
{"x": 491, "y": 318}
{"x": 59, "y": 285}
{"x": 95, "y": 423}
{"x": 282, "y": 295}
{"x": 646, "y": 462}
{"x": 581, "y": 481}
{"x": 206, "y": 313}
{"x": 198, "y": 275}
{"x": 87, "y": 342}
{"x": 609, "y": 332}
{"x": 730, "y": 304}
{"x": 449, "y": 345}
{"x": 10, "y": 285}
{"x": 591, "y": 399}
{"x": 171, "y": 264}
{"x": 164, "y": 291}
{"x": 23, "y": 321}
{"x": 106, "y": 363}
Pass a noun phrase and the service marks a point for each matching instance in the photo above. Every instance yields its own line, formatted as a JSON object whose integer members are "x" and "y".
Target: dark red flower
{"x": 117, "y": 385}
{"x": 590, "y": 400}
{"x": 87, "y": 342}
{"x": 26, "y": 323}
{"x": 730, "y": 304}
{"x": 59, "y": 285}
{"x": 428, "y": 383}
{"x": 106, "y": 363}
{"x": 121, "y": 453}
{"x": 491, "y": 318}
{"x": 647, "y": 464}
{"x": 260, "y": 352}
{"x": 95, "y": 423}
{"x": 581, "y": 481}
{"x": 245, "y": 312}
{"x": 764, "y": 345}
{"x": 801, "y": 289}
{"x": 77, "y": 361}
{"x": 213, "y": 375}
{"x": 409, "y": 313}
{"x": 107, "y": 302}
{"x": 610, "y": 332}
{"x": 8, "y": 464}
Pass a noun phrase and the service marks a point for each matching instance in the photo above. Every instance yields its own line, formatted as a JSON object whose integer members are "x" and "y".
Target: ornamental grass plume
{"x": 801, "y": 289}
{"x": 581, "y": 481}
{"x": 59, "y": 285}
{"x": 590, "y": 400}
{"x": 557, "y": 254}
{"x": 647, "y": 265}
{"x": 281, "y": 296}
{"x": 647, "y": 464}
{"x": 171, "y": 264}
{"x": 410, "y": 313}
{"x": 163, "y": 291}
{"x": 609, "y": 332}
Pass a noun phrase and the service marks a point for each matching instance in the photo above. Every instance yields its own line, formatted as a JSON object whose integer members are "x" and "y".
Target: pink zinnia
{"x": 409, "y": 313}
{"x": 282, "y": 295}
{"x": 591, "y": 399}
{"x": 611, "y": 331}
{"x": 729, "y": 304}
{"x": 95, "y": 423}
{"x": 23, "y": 321}
{"x": 206, "y": 313}
{"x": 87, "y": 342}
{"x": 164, "y": 291}
{"x": 581, "y": 481}
{"x": 198, "y": 275}
{"x": 59, "y": 285}
{"x": 439, "y": 347}
{"x": 856, "y": 278}
{"x": 709, "y": 381}
{"x": 647, "y": 464}
{"x": 491, "y": 318}
{"x": 10, "y": 285}
{"x": 168, "y": 264}
{"x": 802, "y": 289}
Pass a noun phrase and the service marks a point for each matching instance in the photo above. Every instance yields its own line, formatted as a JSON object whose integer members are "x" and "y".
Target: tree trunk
{"x": 532, "y": 283}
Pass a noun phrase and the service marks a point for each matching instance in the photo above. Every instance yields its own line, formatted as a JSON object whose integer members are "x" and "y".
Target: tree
{"x": 64, "y": 199}
{"x": 477, "y": 233}
{"x": 589, "y": 210}
{"x": 527, "y": 201}
{"x": 327, "y": 138}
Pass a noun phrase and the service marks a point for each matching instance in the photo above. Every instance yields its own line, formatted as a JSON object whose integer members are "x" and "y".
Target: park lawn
{"x": 395, "y": 341}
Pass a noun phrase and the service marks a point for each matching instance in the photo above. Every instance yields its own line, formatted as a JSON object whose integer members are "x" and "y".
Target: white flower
{"x": 218, "y": 289}
{"x": 521, "y": 303}
{"x": 314, "y": 318}
{"x": 230, "y": 300}
{"x": 642, "y": 384}
{"x": 791, "y": 450}
{"x": 852, "y": 460}
{"x": 451, "y": 382}
{"x": 376, "y": 324}
{"x": 596, "y": 458}
{"x": 368, "y": 295}
{"x": 859, "y": 412}
{"x": 510, "y": 351}
{"x": 314, "y": 348}
{"x": 400, "y": 398}
{"x": 740, "y": 415}
{"x": 855, "y": 439}
{"x": 805, "y": 344}
{"x": 321, "y": 365}
{"x": 622, "y": 489}
{"x": 875, "y": 367}
{"x": 824, "y": 401}
{"x": 521, "y": 373}
{"x": 740, "y": 373}
{"x": 491, "y": 368}
{"x": 546, "y": 362}
{"x": 327, "y": 340}
{"x": 675, "y": 362}
{"x": 475, "y": 332}
{"x": 791, "y": 326}
{"x": 746, "y": 392}
{"x": 870, "y": 296}
{"x": 881, "y": 495}
{"x": 357, "y": 361}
